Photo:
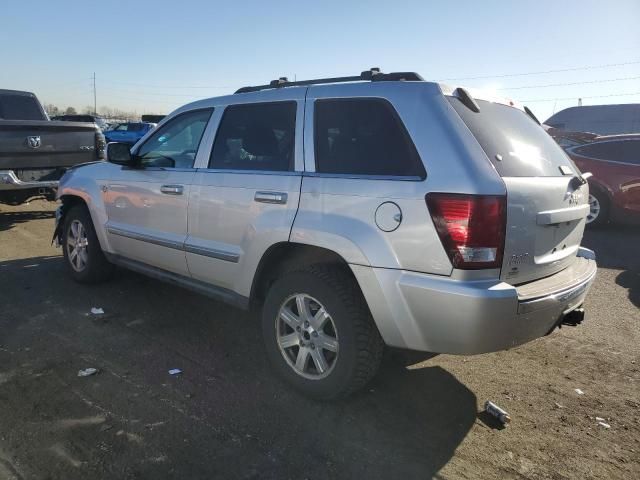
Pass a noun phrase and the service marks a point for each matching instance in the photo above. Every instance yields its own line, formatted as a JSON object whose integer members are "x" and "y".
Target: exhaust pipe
{"x": 574, "y": 317}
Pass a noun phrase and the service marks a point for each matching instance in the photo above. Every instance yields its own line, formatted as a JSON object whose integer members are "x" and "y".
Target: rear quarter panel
{"x": 339, "y": 213}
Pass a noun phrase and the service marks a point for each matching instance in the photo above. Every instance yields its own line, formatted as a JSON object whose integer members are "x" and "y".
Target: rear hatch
{"x": 547, "y": 200}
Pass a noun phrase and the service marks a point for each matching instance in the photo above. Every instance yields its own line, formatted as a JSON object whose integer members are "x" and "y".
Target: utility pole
{"x": 95, "y": 112}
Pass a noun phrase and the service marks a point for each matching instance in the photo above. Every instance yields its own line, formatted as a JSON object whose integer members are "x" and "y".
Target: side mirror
{"x": 120, "y": 154}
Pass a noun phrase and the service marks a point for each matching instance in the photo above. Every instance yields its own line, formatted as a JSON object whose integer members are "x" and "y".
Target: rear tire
{"x": 598, "y": 209}
{"x": 332, "y": 350}
{"x": 81, "y": 249}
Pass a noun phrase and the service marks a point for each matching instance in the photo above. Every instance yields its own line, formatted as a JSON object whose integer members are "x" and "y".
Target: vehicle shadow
{"x": 9, "y": 219}
{"x": 407, "y": 423}
{"x": 618, "y": 247}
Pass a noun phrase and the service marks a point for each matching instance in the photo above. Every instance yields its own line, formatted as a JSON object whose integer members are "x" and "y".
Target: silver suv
{"x": 353, "y": 212}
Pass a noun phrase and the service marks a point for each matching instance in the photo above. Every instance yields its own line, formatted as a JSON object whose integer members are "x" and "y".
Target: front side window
{"x": 626, "y": 151}
{"x": 122, "y": 127}
{"x": 257, "y": 136}
{"x": 363, "y": 136}
{"x": 175, "y": 144}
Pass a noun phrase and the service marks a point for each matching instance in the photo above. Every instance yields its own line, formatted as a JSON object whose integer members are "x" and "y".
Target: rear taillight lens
{"x": 100, "y": 145}
{"x": 471, "y": 228}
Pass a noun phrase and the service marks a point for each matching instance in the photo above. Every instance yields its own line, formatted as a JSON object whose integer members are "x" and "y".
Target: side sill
{"x": 217, "y": 293}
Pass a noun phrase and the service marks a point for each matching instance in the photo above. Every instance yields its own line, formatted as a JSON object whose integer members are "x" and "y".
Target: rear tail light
{"x": 101, "y": 144}
{"x": 471, "y": 228}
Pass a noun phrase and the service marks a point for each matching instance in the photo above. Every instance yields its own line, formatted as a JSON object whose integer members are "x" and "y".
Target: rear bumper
{"x": 9, "y": 181}
{"x": 441, "y": 315}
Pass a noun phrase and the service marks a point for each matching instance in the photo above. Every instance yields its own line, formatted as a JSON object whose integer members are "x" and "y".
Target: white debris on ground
{"x": 87, "y": 372}
{"x": 97, "y": 311}
{"x": 497, "y": 412}
{"x": 578, "y": 391}
{"x": 175, "y": 371}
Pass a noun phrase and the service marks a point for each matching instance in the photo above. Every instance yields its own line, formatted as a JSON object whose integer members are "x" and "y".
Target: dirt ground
{"x": 228, "y": 416}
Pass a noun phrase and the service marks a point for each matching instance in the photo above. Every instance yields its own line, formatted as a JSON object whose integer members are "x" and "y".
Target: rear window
{"x": 20, "y": 107}
{"x": 516, "y": 145}
{"x": 627, "y": 151}
{"x": 363, "y": 136}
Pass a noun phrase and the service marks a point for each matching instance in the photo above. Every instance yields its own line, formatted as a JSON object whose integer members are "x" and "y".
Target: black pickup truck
{"x": 35, "y": 151}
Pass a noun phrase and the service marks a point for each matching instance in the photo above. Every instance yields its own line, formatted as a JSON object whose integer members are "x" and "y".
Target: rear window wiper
{"x": 530, "y": 113}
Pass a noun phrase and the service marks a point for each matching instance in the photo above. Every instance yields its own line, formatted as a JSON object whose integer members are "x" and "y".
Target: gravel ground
{"x": 227, "y": 416}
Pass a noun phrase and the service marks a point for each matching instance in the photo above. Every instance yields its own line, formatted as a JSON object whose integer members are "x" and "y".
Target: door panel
{"x": 247, "y": 198}
{"x": 229, "y": 230}
{"x": 146, "y": 224}
{"x": 147, "y": 206}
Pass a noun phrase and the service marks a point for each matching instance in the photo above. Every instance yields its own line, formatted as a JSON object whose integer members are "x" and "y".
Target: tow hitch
{"x": 573, "y": 318}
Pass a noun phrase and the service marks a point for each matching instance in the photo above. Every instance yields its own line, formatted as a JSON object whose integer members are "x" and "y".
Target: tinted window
{"x": 627, "y": 151}
{"x": 176, "y": 143}
{"x": 256, "y": 137}
{"x": 363, "y": 137}
{"x": 135, "y": 127}
{"x": 20, "y": 107}
{"x": 123, "y": 127}
{"x": 516, "y": 145}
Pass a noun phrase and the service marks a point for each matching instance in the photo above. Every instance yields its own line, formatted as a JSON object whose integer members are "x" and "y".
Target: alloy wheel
{"x": 307, "y": 336}
{"x": 594, "y": 208}
{"x": 77, "y": 244}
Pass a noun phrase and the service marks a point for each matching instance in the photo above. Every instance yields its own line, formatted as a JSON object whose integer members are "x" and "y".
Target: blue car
{"x": 128, "y": 132}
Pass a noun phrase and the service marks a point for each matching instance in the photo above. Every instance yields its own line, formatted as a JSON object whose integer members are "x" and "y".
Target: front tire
{"x": 319, "y": 334}
{"x": 81, "y": 249}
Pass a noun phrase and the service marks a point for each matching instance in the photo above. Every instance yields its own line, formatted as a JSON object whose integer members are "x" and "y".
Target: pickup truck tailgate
{"x": 46, "y": 144}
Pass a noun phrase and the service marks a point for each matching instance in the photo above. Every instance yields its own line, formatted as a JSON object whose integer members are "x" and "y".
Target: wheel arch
{"x": 289, "y": 256}
{"x": 70, "y": 200}
{"x": 594, "y": 185}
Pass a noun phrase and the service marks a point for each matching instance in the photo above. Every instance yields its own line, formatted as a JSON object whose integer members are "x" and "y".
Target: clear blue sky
{"x": 148, "y": 54}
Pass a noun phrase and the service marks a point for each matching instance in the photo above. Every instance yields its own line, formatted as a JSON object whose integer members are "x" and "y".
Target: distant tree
{"x": 51, "y": 109}
{"x": 70, "y": 111}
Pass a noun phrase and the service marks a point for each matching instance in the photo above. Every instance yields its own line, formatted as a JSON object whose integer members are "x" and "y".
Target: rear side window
{"x": 363, "y": 136}
{"x": 259, "y": 136}
{"x": 516, "y": 145}
{"x": 20, "y": 107}
{"x": 627, "y": 151}
{"x": 135, "y": 127}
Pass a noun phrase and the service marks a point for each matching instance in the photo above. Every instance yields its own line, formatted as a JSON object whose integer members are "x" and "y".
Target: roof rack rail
{"x": 373, "y": 75}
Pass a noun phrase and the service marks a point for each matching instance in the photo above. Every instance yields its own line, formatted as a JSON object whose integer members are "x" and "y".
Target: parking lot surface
{"x": 228, "y": 416}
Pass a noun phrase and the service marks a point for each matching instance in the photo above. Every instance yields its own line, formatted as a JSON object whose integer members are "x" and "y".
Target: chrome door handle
{"x": 271, "y": 197}
{"x": 172, "y": 189}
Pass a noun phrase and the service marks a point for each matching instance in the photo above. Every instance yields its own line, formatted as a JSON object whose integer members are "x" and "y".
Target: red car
{"x": 614, "y": 161}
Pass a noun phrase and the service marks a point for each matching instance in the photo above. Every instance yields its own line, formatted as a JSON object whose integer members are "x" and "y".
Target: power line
{"x": 578, "y": 96}
{"x": 162, "y": 94}
{"x": 571, "y": 83}
{"x": 169, "y": 86}
{"x": 541, "y": 72}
